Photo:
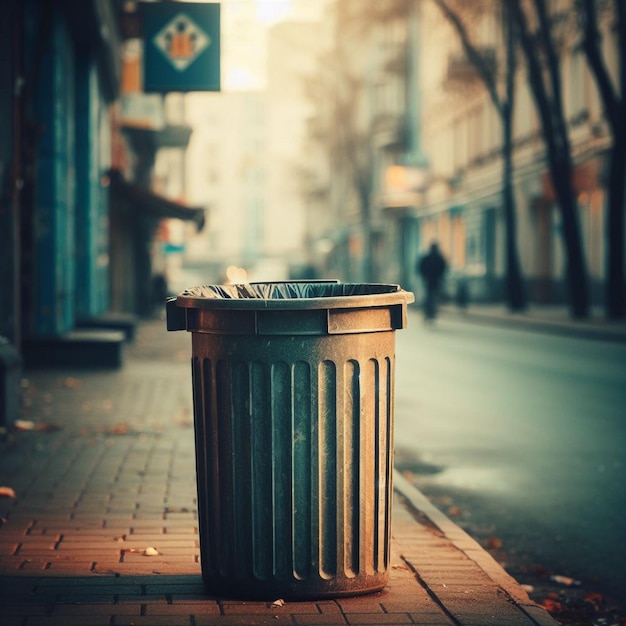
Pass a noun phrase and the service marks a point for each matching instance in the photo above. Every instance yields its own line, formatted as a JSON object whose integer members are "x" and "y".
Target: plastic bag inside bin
{"x": 288, "y": 291}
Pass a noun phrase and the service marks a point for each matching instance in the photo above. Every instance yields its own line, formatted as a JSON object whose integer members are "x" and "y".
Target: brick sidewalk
{"x": 103, "y": 528}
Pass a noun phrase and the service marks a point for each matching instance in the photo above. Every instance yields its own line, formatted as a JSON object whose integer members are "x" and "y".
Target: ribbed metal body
{"x": 293, "y": 399}
{"x": 294, "y": 462}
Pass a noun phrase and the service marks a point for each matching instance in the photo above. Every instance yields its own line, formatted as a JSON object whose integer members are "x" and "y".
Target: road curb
{"x": 582, "y": 329}
{"x": 472, "y": 549}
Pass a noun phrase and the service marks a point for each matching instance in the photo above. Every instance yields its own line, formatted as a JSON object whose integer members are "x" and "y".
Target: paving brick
{"x": 68, "y": 620}
{"x": 167, "y": 541}
{"x": 538, "y": 614}
{"x": 245, "y": 608}
{"x": 378, "y": 618}
{"x": 78, "y": 590}
{"x": 249, "y": 619}
{"x": 426, "y": 619}
{"x": 198, "y": 608}
{"x": 175, "y": 585}
{"x": 152, "y": 620}
{"x": 372, "y": 602}
{"x": 497, "y": 619}
{"x": 23, "y": 609}
{"x": 411, "y": 604}
{"x": 329, "y": 607}
{"x": 140, "y": 599}
{"x": 83, "y": 488}
{"x": 319, "y": 620}
{"x": 84, "y": 608}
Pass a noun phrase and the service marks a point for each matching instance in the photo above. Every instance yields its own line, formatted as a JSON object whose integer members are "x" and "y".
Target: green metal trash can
{"x": 293, "y": 390}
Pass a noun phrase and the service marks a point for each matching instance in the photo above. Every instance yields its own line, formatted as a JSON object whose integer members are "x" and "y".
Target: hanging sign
{"x": 181, "y": 46}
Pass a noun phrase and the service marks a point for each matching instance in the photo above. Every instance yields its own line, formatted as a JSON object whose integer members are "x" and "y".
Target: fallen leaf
{"x": 552, "y": 606}
{"x": 278, "y": 603}
{"x": 595, "y": 599}
{"x": 24, "y": 425}
{"x": 454, "y": 511}
{"x": 565, "y": 580}
{"x": 144, "y": 551}
{"x": 494, "y": 543}
{"x": 7, "y": 492}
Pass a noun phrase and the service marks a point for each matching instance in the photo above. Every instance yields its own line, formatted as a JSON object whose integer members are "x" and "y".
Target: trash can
{"x": 293, "y": 392}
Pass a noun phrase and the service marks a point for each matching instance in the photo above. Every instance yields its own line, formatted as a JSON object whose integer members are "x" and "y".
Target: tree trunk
{"x": 514, "y": 284}
{"x": 615, "y": 288}
{"x": 576, "y": 273}
{"x": 613, "y": 97}
{"x": 515, "y": 295}
{"x": 551, "y": 114}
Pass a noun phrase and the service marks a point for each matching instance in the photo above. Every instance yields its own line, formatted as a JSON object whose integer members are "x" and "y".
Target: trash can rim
{"x": 384, "y": 294}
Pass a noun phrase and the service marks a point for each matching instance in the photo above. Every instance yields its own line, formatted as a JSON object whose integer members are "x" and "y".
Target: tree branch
{"x": 536, "y": 79}
{"x": 487, "y": 76}
{"x": 591, "y": 45}
{"x": 620, "y": 12}
{"x": 551, "y": 56}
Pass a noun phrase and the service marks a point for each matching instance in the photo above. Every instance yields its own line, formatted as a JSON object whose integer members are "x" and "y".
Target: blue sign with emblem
{"x": 181, "y": 46}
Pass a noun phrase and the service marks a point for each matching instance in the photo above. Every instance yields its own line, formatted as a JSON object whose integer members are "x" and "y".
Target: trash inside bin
{"x": 293, "y": 389}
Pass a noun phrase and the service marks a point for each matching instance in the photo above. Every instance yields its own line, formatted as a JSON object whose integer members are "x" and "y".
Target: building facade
{"x": 434, "y": 151}
{"x": 462, "y": 207}
{"x": 79, "y": 209}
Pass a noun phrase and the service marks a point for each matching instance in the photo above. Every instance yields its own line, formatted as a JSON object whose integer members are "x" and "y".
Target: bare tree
{"x": 336, "y": 91}
{"x": 539, "y": 48}
{"x": 349, "y": 139}
{"x": 503, "y": 101}
{"x": 614, "y": 102}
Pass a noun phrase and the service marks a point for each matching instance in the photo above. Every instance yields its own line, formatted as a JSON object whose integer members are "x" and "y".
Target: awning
{"x": 150, "y": 140}
{"x": 153, "y": 204}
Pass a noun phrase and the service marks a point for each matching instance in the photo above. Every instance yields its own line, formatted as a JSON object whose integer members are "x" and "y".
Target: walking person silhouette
{"x": 431, "y": 267}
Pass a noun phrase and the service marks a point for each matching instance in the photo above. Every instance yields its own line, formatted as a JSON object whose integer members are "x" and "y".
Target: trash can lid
{"x": 293, "y": 295}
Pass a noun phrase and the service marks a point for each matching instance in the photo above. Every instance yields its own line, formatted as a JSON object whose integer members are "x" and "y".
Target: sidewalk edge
{"x": 472, "y": 549}
{"x": 582, "y": 330}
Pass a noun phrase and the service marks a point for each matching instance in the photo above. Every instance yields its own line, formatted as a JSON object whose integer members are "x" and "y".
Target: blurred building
{"x": 247, "y": 158}
{"x": 60, "y": 75}
{"x": 227, "y": 169}
{"x": 360, "y": 91}
{"x": 462, "y": 207}
{"x": 293, "y": 48}
{"x": 81, "y": 206}
{"x": 414, "y": 149}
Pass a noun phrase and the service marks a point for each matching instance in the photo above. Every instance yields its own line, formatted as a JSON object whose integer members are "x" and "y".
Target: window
{"x": 576, "y": 93}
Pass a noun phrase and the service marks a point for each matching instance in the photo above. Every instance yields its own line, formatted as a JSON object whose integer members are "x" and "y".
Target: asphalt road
{"x": 521, "y": 437}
